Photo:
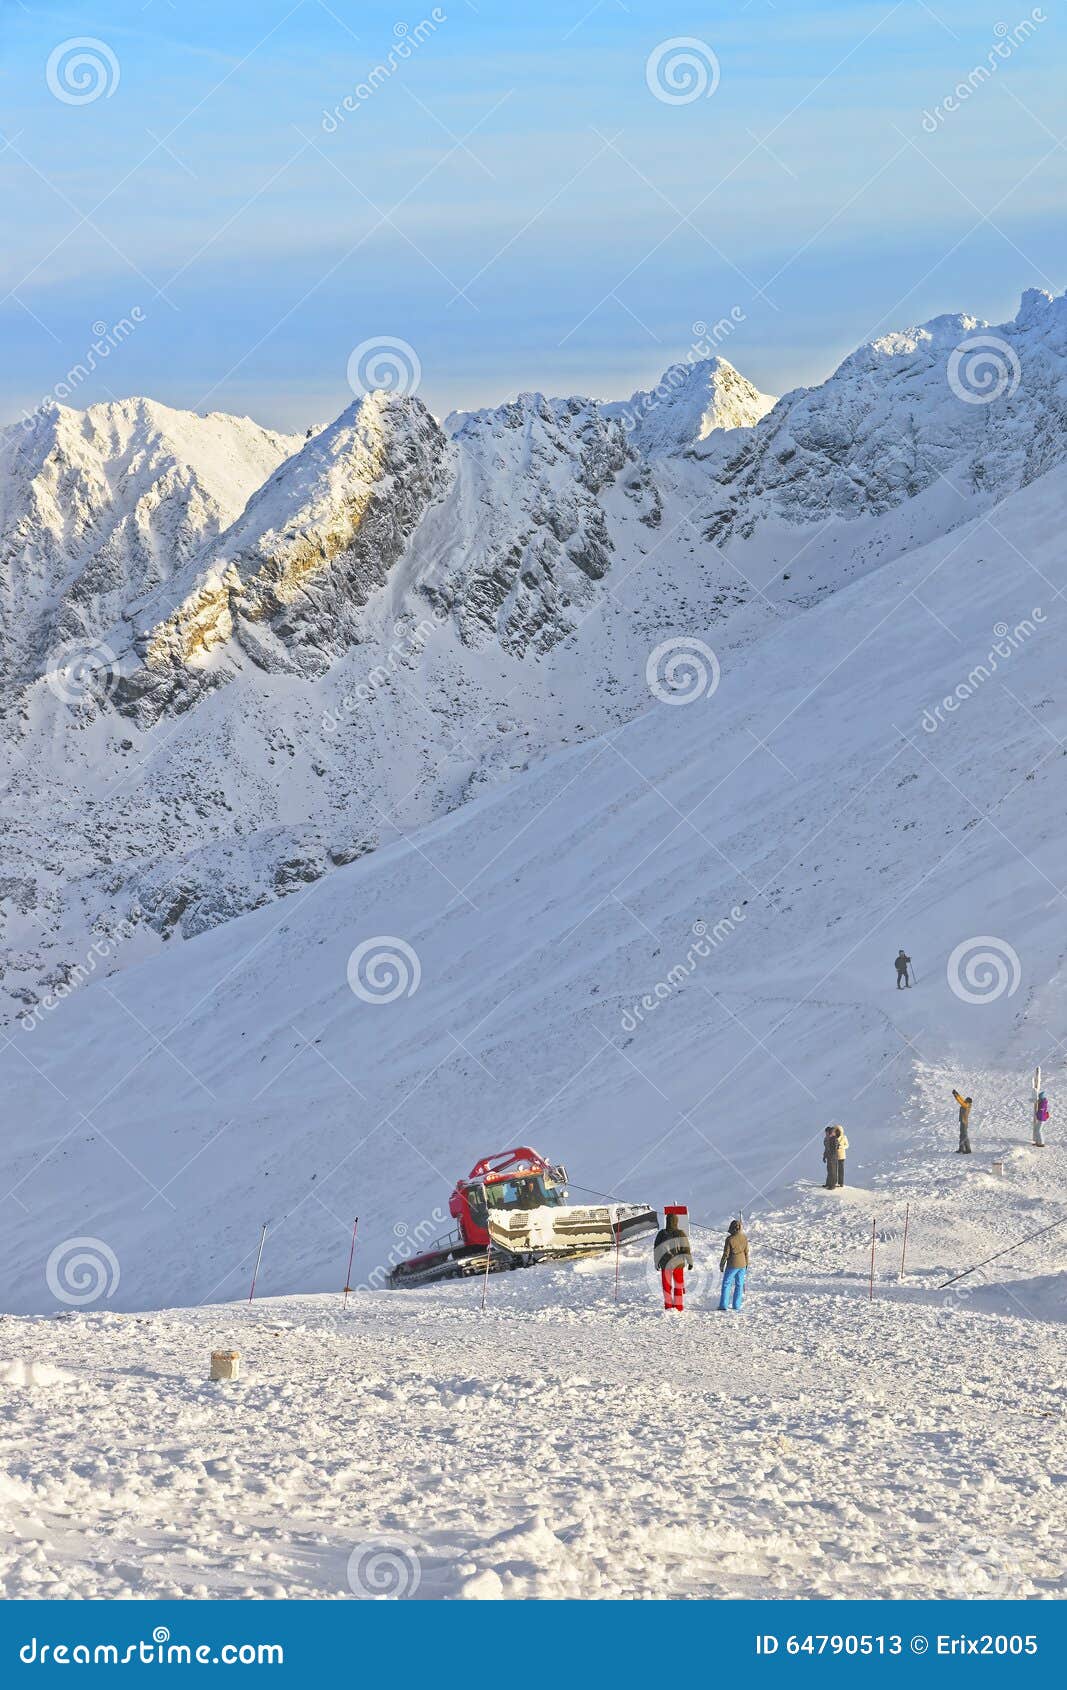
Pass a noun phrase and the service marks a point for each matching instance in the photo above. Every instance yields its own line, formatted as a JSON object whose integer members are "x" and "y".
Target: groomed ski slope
{"x": 821, "y": 1444}
{"x": 172, "y": 1109}
{"x": 562, "y": 1445}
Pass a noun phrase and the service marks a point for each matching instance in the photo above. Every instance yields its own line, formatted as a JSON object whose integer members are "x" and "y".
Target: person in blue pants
{"x": 734, "y": 1268}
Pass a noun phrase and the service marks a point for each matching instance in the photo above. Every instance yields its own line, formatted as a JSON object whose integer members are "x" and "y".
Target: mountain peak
{"x": 691, "y": 400}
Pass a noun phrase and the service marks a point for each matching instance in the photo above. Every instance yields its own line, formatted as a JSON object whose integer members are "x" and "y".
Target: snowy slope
{"x": 556, "y": 1446}
{"x": 540, "y": 888}
{"x": 404, "y": 615}
{"x": 811, "y": 822}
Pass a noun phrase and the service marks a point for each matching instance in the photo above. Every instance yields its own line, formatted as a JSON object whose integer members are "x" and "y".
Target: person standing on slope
{"x": 964, "y": 1146}
{"x": 829, "y": 1156}
{"x": 672, "y": 1255}
{"x": 734, "y": 1268}
{"x": 840, "y": 1150}
{"x": 903, "y": 963}
{"x": 1041, "y": 1114}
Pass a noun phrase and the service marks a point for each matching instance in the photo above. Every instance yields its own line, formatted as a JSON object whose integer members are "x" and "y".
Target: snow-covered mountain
{"x": 451, "y": 788}
{"x": 237, "y": 661}
{"x": 688, "y": 404}
{"x": 390, "y": 623}
{"x": 665, "y": 954}
{"x": 100, "y": 506}
{"x": 946, "y": 419}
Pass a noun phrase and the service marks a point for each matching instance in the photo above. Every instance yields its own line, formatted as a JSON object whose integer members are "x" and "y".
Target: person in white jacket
{"x": 841, "y": 1143}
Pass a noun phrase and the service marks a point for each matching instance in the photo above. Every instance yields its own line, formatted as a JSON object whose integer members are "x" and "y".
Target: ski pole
{"x": 904, "y": 1245}
{"x": 618, "y": 1231}
{"x": 259, "y": 1258}
{"x": 351, "y": 1253}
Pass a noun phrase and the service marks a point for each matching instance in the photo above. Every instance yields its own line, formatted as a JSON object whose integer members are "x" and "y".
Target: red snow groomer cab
{"x": 512, "y": 1211}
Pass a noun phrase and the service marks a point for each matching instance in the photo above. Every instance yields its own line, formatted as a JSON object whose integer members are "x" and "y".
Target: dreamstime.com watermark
{"x": 81, "y": 70}
{"x": 1008, "y": 641}
{"x": 384, "y": 1569}
{"x": 80, "y": 669}
{"x": 384, "y": 968}
{"x": 101, "y": 950}
{"x": 81, "y": 1271}
{"x": 986, "y": 1569}
{"x": 157, "y": 1651}
{"x": 410, "y": 1241}
{"x": 708, "y": 339}
{"x": 409, "y": 644}
{"x": 681, "y": 70}
{"x": 107, "y": 338}
{"x": 384, "y": 364}
{"x": 681, "y": 670}
{"x": 1008, "y": 39}
{"x": 983, "y": 969}
{"x": 705, "y": 942}
{"x": 407, "y": 40}
{"x": 984, "y": 368}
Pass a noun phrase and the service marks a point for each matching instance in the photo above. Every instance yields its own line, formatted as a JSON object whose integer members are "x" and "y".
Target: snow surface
{"x": 654, "y": 938}
{"x": 560, "y": 1444}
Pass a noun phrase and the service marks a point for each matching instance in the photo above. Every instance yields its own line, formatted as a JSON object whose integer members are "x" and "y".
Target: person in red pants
{"x": 672, "y": 1255}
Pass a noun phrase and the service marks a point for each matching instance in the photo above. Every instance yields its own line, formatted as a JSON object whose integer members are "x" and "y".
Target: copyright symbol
{"x": 920, "y": 1644}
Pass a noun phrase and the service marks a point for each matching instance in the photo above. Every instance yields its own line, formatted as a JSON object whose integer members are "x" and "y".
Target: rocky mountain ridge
{"x": 235, "y": 660}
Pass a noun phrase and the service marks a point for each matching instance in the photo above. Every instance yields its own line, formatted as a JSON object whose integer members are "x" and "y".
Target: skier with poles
{"x": 672, "y": 1255}
{"x": 964, "y": 1146}
{"x": 829, "y": 1156}
{"x": 903, "y": 964}
{"x": 734, "y": 1269}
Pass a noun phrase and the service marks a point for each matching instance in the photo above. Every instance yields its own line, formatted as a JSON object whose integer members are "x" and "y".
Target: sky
{"x": 524, "y": 197}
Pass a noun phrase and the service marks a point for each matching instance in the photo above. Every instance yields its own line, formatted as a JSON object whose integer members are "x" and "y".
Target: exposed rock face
{"x": 288, "y": 579}
{"x": 99, "y": 507}
{"x": 408, "y": 612}
{"x": 528, "y": 532}
{"x": 982, "y": 409}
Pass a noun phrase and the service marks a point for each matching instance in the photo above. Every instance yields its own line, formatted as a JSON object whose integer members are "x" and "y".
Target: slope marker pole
{"x": 259, "y": 1258}
{"x": 485, "y": 1276}
{"x": 351, "y": 1253}
{"x": 904, "y": 1245}
{"x": 618, "y": 1232}
{"x": 870, "y": 1298}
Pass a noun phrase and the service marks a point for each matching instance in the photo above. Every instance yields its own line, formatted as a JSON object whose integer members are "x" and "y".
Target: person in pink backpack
{"x": 1041, "y": 1114}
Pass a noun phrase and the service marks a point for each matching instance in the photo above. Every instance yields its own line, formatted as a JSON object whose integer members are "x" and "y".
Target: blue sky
{"x": 511, "y": 199}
